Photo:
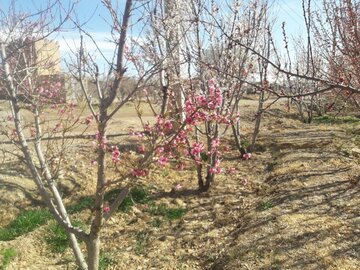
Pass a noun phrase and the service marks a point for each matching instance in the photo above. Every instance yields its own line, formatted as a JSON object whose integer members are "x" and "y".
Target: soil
{"x": 293, "y": 205}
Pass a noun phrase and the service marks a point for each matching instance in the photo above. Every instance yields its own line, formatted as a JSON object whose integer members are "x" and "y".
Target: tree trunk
{"x": 257, "y": 121}
{"x": 237, "y": 138}
{"x": 93, "y": 249}
{"x": 31, "y": 165}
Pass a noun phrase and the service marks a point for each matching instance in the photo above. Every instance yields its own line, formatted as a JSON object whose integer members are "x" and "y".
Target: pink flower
{"x": 139, "y": 172}
{"x": 201, "y": 100}
{"x": 180, "y": 166}
{"x": 115, "y": 155}
{"x": 244, "y": 181}
{"x": 168, "y": 124}
{"x": 218, "y": 98}
{"x": 215, "y": 143}
{"x": 147, "y": 127}
{"x": 89, "y": 119}
{"x": 160, "y": 150}
{"x": 212, "y": 170}
{"x": 231, "y": 170}
{"x": 57, "y": 126}
{"x": 189, "y": 107}
{"x": 101, "y": 142}
{"x": 160, "y": 120}
{"x": 93, "y": 162}
{"x": 178, "y": 187}
{"x": 197, "y": 148}
{"x": 106, "y": 209}
{"x": 190, "y": 120}
{"x": 246, "y": 156}
{"x": 163, "y": 161}
{"x": 215, "y": 170}
{"x": 141, "y": 149}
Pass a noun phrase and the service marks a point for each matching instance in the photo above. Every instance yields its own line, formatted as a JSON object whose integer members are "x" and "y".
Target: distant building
{"x": 42, "y": 59}
{"x": 47, "y": 54}
{"x": 39, "y": 58}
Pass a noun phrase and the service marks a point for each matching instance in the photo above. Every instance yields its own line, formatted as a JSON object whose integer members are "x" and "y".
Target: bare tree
{"x": 21, "y": 82}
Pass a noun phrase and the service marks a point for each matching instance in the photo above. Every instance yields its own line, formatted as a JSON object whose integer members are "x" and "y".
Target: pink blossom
{"x": 190, "y": 120}
{"x": 106, "y": 209}
{"x": 246, "y": 156}
{"x": 197, "y": 148}
{"x": 178, "y": 187}
{"x": 163, "y": 161}
{"x": 168, "y": 124}
{"x": 189, "y": 107}
{"x": 160, "y": 120}
{"x": 147, "y": 127}
{"x": 245, "y": 181}
{"x": 115, "y": 155}
{"x": 212, "y": 170}
{"x": 139, "y": 172}
{"x": 101, "y": 142}
{"x": 93, "y": 162}
{"x": 57, "y": 126}
{"x": 215, "y": 143}
{"x": 89, "y": 119}
{"x": 218, "y": 98}
{"x": 141, "y": 149}
{"x": 231, "y": 170}
{"x": 201, "y": 100}
{"x": 216, "y": 170}
{"x": 160, "y": 150}
{"x": 180, "y": 166}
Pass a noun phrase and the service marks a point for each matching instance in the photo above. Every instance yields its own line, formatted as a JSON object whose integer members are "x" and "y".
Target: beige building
{"x": 47, "y": 53}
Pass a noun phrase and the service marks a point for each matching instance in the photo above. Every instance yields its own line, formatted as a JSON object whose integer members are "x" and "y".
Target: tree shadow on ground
{"x": 11, "y": 187}
{"x": 311, "y": 221}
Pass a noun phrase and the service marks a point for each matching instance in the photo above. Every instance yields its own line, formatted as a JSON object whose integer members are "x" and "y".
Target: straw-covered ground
{"x": 293, "y": 205}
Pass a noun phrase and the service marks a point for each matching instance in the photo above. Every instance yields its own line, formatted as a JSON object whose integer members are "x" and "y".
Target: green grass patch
{"x": 25, "y": 222}
{"x": 142, "y": 240}
{"x": 7, "y": 255}
{"x": 245, "y": 144}
{"x": 80, "y": 205}
{"x": 169, "y": 213}
{"x": 265, "y": 205}
{"x": 137, "y": 194}
{"x": 327, "y": 119}
{"x": 156, "y": 223}
{"x": 105, "y": 262}
{"x": 56, "y": 236}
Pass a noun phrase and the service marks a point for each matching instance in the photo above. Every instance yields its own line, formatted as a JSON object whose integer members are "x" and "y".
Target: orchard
{"x": 172, "y": 134}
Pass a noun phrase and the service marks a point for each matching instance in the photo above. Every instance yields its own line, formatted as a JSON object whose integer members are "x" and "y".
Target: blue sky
{"x": 96, "y": 16}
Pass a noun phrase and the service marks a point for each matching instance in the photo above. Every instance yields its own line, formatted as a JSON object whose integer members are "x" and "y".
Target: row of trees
{"x": 199, "y": 57}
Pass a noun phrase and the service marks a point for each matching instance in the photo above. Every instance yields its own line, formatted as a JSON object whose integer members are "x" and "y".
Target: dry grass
{"x": 293, "y": 206}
